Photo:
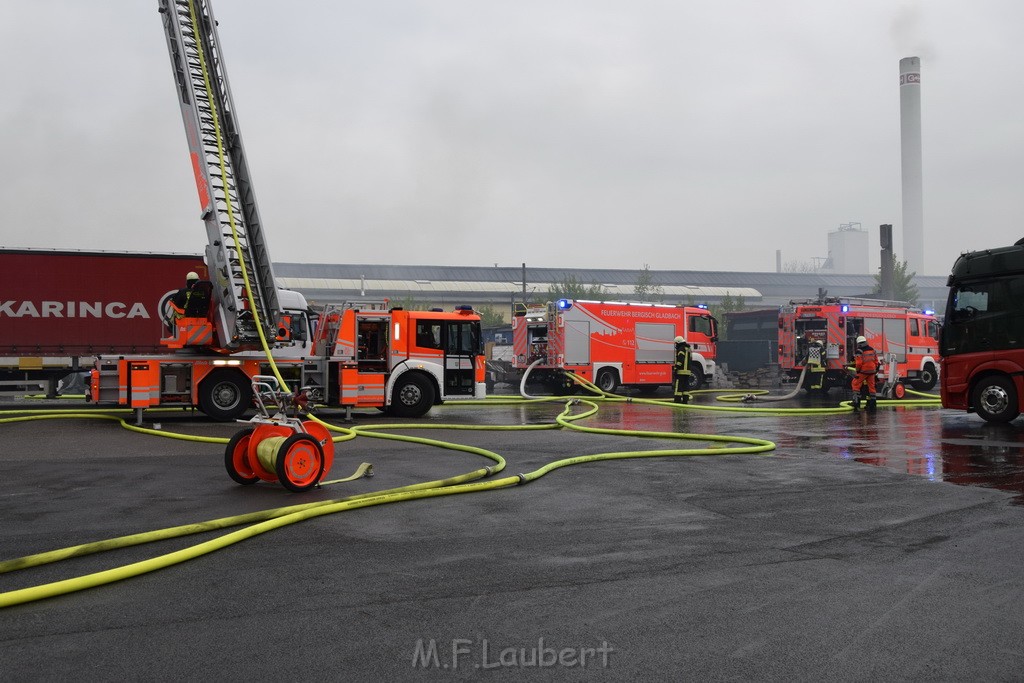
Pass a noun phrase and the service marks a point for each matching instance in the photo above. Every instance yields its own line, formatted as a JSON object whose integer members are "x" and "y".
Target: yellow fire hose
{"x": 843, "y": 407}
{"x": 268, "y": 520}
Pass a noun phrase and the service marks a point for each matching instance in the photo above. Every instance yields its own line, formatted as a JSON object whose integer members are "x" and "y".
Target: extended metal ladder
{"x": 234, "y": 231}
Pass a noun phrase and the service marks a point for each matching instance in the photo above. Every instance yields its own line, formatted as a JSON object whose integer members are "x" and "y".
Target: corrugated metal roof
{"x": 771, "y": 287}
{"x": 369, "y": 286}
{"x": 623, "y": 277}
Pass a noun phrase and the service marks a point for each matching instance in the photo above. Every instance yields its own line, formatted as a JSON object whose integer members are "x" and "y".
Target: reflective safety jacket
{"x": 867, "y": 361}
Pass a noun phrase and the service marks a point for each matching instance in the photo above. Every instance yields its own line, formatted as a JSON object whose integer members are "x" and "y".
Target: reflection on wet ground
{"x": 941, "y": 445}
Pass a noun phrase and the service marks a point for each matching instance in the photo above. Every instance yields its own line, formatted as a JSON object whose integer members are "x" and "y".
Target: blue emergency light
{"x": 564, "y": 304}
{"x": 704, "y": 306}
{"x": 928, "y": 311}
{"x": 845, "y": 308}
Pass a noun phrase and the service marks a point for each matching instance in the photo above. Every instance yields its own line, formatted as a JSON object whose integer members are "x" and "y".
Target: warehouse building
{"x": 503, "y": 287}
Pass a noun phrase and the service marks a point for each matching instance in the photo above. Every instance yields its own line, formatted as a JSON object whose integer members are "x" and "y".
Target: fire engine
{"x": 612, "y": 343}
{"x": 356, "y": 355}
{"x": 906, "y": 336}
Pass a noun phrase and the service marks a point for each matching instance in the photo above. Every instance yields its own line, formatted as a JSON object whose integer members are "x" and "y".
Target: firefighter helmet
{"x": 679, "y": 340}
{"x": 193, "y": 275}
{"x": 861, "y": 340}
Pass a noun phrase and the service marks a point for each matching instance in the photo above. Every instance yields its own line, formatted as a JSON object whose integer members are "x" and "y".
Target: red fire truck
{"x": 612, "y": 343}
{"x": 908, "y": 335}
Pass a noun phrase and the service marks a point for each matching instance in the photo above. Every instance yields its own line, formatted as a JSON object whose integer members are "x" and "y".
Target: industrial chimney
{"x": 910, "y": 154}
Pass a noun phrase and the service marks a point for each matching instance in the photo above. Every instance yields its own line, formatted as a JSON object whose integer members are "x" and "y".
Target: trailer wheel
{"x": 225, "y": 395}
{"x": 607, "y": 380}
{"x": 899, "y": 390}
{"x": 926, "y": 379}
{"x": 412, "y": 395}
{"x": 995, "y": 399}
{"x": 696, "y": 378}
{"x": 236, "y": 458}
{"x": 300, "y": 463}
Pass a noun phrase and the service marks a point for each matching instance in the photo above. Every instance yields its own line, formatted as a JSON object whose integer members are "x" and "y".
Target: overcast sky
{"x": 578, "y": 133}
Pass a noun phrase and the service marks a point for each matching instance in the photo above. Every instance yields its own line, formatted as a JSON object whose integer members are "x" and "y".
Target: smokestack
{"x": 910, "y": 154}
{"x": 778, "y": 260}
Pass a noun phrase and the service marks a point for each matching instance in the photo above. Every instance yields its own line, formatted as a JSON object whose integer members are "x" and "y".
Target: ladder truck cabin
{"x": 612, "y": 344}
{"x": 983, "y": 334}
{"x": 905, "y": 335}
{"x": 360, "y": 355}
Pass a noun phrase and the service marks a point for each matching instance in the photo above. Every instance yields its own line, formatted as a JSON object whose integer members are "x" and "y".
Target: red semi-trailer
{"x": 59, "y": 309}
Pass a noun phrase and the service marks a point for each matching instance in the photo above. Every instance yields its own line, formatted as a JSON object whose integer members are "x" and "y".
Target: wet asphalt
{"x": 866, "y": 546}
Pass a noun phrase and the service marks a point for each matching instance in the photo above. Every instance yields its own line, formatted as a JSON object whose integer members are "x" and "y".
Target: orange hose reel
{"x": 297, "y": 458}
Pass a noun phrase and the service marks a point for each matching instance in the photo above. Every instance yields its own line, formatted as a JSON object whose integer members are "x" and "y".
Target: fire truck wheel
{"x": 926, "y": 379}
{"x": 412, "y": 396}
{"x": 236, "y": 458}
{"x": 300, "y": 463}
{"x": 696, "y": 378}
{"x": 607, "y": 380}
{"x": 995, "y": 399}
{"x": 224, "y": 395}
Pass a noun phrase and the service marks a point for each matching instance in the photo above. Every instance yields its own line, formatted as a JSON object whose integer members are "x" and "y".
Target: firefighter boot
{"x": 871, "y": 403}
{"x": 856, "y": 402}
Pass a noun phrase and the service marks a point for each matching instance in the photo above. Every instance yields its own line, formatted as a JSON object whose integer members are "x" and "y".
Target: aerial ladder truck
{"x": 218, "y": 348}
{"x": 241, "y": 273}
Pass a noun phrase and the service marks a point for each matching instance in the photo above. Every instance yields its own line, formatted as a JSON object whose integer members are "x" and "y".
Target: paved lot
{"x": 851, "y": 552}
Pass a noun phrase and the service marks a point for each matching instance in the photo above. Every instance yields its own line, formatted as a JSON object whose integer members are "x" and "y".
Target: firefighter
{"x": 681, "y": 371}
{"x": 816, "y": 362}
{"x": 866, "y": 369}
{"x": 180, "y": 299}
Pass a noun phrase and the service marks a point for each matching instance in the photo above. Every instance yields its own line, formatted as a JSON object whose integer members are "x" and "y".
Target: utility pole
{"x": 512, "y": 301}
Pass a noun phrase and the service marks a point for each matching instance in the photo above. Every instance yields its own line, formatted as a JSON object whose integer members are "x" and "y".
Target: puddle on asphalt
{"x": 941, "y": 445}
{"x": 944, "y": 446}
